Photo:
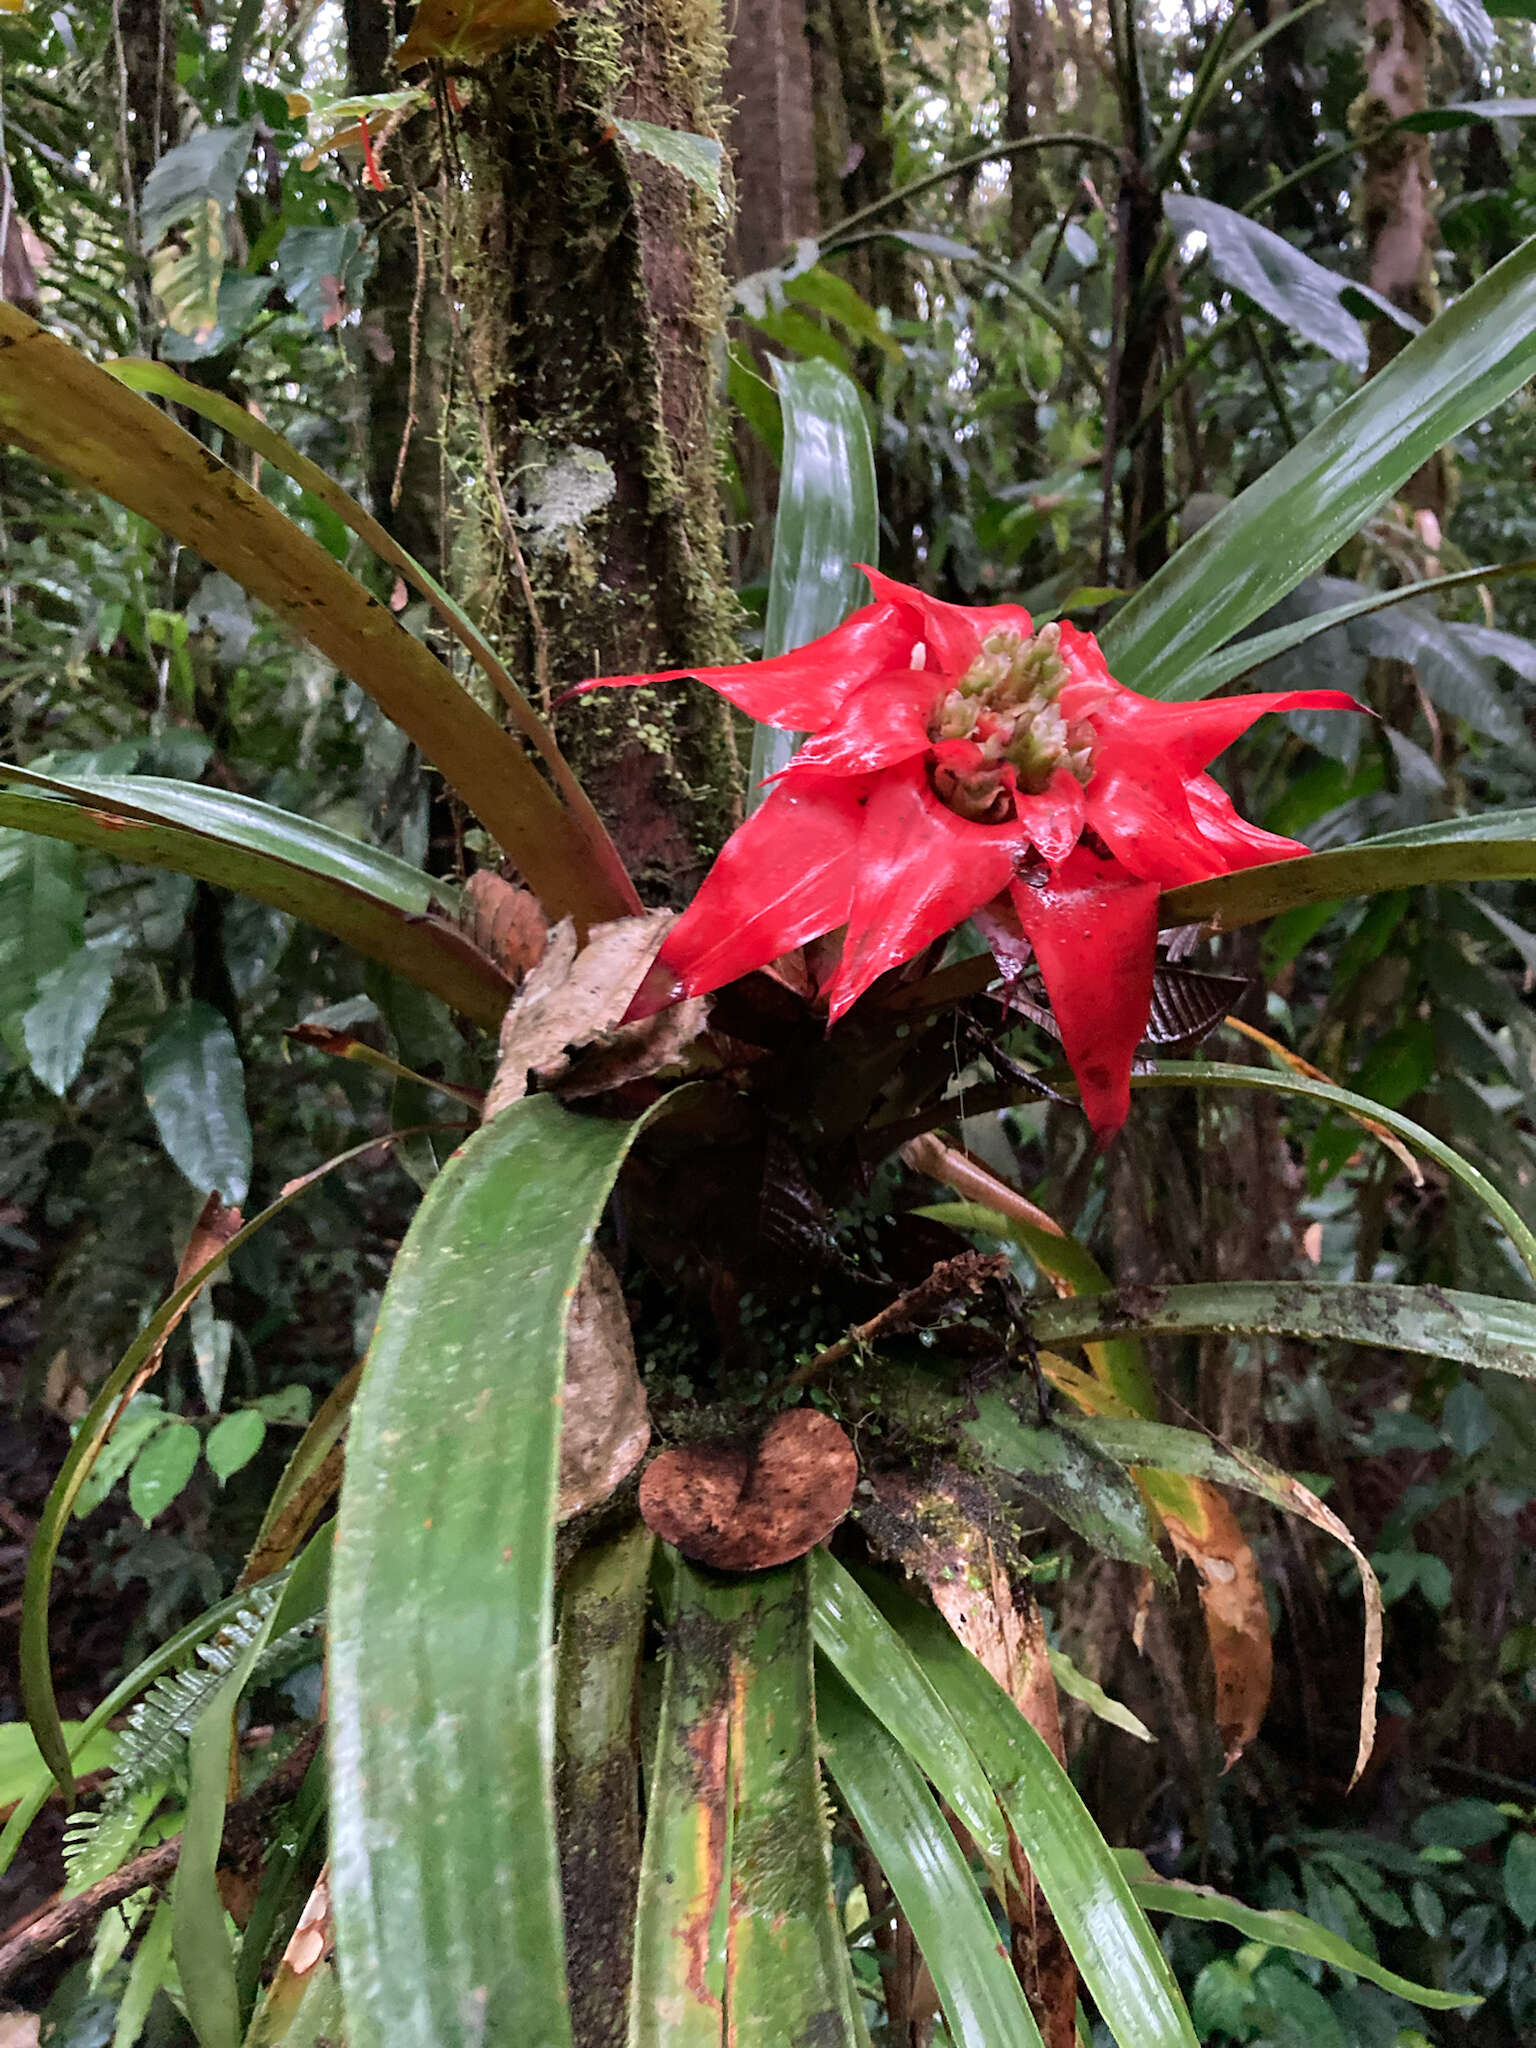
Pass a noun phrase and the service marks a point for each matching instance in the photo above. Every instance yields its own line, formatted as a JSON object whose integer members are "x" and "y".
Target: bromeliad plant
{"x": 575, "y": 1734}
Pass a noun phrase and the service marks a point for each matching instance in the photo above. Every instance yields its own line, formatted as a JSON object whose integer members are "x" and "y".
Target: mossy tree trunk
{"x": 592, "y": 295}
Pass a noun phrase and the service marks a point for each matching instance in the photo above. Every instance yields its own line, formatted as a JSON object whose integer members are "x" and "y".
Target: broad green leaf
{"x": 1172, "y": 1074}
{"x": 1280, "y": 1929}
{"x": 233, "y": 1441}
{"x": 1472, "y": 1329}
{"x": 22, "y": 1770}
{"x": 324, "y": 268}
{"x": 187, "y": 280}
{"x": 144, "y": 1414}
{"x": 603, "y": 1602}
{"x": 162, "y": 1468}
{"x": 194, "y": 1083}
{"x": 371, "y": 909}
{"x": 1520, "y": 1878}
{"x": 445, "y": 1875}
{"x": 1271, "y": 271}
{"x": 698, "y": 158}
{"x": 1301, "y": 510}
{"x": 205, "y": 168}
{"x": 58, "y": 404}
{"x": 65, "y": 1011}
{"x": 915, "y": 1847}
{"x": 1116, "y": 1952}
{"x": 1499, "y": 846}
{"x": 1242, "y": 656}
{"x": 828, "y": 519}
{"x": 42, "y": 914}
{"x": 856, "y": 1638}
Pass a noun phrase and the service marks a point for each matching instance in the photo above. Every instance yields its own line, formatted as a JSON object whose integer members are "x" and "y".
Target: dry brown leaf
{"x": 505, "y": 921}
{"x": 313, "y": 1938}
{"x": 934, "y": 1533}
{"x": 1236, "y": 1617}
{"x": 470, "y": 31}
{"x": 604, "y": 1424}
{"x": 574, "y": 1001}
{"x": 742, "y": 1505}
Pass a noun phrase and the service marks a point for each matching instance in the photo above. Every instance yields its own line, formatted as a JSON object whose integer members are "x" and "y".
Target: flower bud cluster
{"x": 1006, "y": 705}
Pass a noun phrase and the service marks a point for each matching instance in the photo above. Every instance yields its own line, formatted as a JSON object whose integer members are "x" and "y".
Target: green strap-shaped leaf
{"x": 446, "y": 1879}
{"x": 677, "y": 1996}
{"x": 603, "y": 1598}
{"x": 1472, "y": 1329}
{"x": 828, "y": 519}
{"x": 1242, "y": 655}
{"x": 287, "y": 862}
{"x": 59, "y": 405}
{"x": 1498, "y": 847}
{"x": 1280, "y": 1929}
{"x": 737, "y": 1940}
{"x": 1115, "y": 1950}
{"x": 859, "y": 1643}
{"x": 205, "y": 1956}
{"x": 1300, "y": 511}
{"x": 787, "y": 1974}
{"x": 915, "y": 1847}
{"x": 1174, "y": 1074}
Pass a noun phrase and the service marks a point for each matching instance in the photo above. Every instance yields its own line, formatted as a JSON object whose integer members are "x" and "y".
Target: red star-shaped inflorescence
{"x": 962, "y": 764}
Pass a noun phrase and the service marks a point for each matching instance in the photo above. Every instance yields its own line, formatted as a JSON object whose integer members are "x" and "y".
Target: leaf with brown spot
{"x": 741, "y": 1505}
{"x": 575, "y": 1001}
{"x": 470, "y": 31}
{"x": 505, "y": 921}
{"x": 604, "y": 1423}
{"x": 1232, "y": 1600}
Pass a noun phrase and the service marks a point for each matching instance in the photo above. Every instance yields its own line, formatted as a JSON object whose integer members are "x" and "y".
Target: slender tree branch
{"x": 951, "y": 1280}
{"x": 993, "y": 153}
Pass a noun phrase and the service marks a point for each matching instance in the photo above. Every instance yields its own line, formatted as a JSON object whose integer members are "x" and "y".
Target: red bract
{"x": 960, "y": 763}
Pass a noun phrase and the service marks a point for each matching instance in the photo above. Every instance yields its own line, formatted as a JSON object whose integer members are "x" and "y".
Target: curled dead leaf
{"x": 605, "y": 1426}
{"x": 470, "y": 31}
{"x": 505, "y": 921}
{"x": 564, "y": 1032}
{"x": 1236, "y": 1617}
{"x": 742, "y": 1505}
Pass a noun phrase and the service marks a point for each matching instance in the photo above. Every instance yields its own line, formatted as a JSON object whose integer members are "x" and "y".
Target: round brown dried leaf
{"x": 741, "y": 1504}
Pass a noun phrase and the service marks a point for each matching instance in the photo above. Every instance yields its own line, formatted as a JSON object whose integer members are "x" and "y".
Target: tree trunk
{"x": 1397, "y": 196}
{"x": 402, "y": 370}
{"x": 591, "y": 283}
{"x": 772, "y": 131}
